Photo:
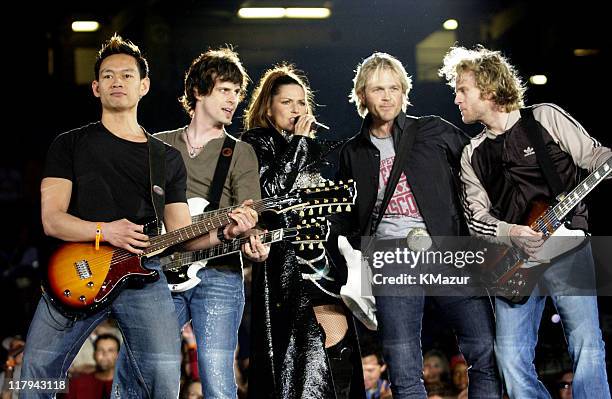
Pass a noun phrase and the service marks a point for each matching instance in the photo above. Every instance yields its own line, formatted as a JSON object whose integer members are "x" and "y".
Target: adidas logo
{"x": 528, "y": 151}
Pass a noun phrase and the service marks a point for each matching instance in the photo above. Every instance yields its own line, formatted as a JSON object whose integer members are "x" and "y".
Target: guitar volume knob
{"x": 67, "y": 293}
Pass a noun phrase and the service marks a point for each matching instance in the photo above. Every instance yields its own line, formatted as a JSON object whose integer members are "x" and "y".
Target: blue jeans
{"x": 400, "y": 320}
{"x": 215, "y": 308}
{"x": 148, "y": 323}
{"x": 517, "y": 333}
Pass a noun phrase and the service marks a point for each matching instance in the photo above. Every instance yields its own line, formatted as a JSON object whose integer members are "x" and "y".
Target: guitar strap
{"x": 404, "y": 146}
{"x": 157, "y": 176}
{"x": 535, "y": 137}
{"x": 221, "y": 171}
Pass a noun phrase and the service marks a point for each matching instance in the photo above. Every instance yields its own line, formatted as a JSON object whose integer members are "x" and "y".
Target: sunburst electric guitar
{"x": 81, "y": 280}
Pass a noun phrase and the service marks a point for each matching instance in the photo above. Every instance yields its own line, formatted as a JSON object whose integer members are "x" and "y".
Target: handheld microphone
{"x": 314, "y": 123}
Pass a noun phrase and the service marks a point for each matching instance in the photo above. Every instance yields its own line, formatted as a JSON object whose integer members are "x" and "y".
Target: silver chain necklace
{"x": 190, "y": 148}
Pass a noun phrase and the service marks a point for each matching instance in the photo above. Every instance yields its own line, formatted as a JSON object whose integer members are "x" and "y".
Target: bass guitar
{"x": 514, "y": 275}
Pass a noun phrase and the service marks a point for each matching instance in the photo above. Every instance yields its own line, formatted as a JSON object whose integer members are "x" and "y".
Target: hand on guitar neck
{"x": 243, "y": 218}
{"x": 254, "y": 249}
{"x": 526, "y": 239}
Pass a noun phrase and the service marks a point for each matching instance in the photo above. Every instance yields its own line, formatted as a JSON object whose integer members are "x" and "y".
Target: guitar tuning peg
{"x": 348, "y": 208}
{"x": 320, "y": 211}
{"x": 336, "y": 200}
{"x": 316, "y": 236}
{"x": 301, "y": 247}
{"x": 325, "y": 201}
{"x": 311, "y": 246}
{"x": 331, "y": 183}
{"x": 307, "y": 237}
{"x": 340, "y": 182}
{"x": 320, "y": 245}
{"x": 316, "y": 202}
{"x": 339, "y": 209}
{"x": 313, "y": 220}
{"x": 310, "y": 212}
{"x": 301, "y": 214}
{"x": 329, "y": 209}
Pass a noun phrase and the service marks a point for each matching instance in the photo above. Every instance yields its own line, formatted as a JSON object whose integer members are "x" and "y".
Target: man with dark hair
{"x": 376, "y": 387}
{"x": 96, "y": 187}
{"x": 214, "y": 85}
{"x": 97, "y": 385}
{"x": 502, "y": 176}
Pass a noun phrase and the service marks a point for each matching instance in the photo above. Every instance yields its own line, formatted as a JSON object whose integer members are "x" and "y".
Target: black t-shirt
{"x": 110, "y": 175}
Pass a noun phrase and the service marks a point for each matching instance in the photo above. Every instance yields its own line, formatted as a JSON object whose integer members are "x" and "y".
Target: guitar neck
{"x": 259, "y": 206}
{"x": 321, "y": 195}
{"x": 550, "y": 220}
{"x": 186, "y": 233}
{"x": 207, "y": 222}
{"x": 185, "y": 258}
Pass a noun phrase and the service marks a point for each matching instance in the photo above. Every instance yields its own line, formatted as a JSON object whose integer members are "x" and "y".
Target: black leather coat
{"x": 288, "y": 358}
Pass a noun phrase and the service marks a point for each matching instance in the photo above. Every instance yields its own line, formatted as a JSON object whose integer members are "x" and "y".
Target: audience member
{"x": 373, "y": 365}
{"x": 12, "y": 367}
{"x": 564, "y": 385}
{"x": 97, "y": 385}
{"x": 459, "y": 374}
{"x": 192, "y": 390}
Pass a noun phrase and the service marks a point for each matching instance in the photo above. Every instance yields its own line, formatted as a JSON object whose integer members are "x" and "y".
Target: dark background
{"x": 42, "y": 97}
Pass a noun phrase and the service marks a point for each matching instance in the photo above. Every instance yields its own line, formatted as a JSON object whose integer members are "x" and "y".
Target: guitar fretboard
{"x": 259, "y": 206}
{"x": 550, "y": 220}
{"x": 184, "y": 258}
{"x": 187, "y": 233}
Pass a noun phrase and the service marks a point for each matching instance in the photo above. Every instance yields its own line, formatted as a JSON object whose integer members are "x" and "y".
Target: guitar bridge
{"x": 83, "y": 269}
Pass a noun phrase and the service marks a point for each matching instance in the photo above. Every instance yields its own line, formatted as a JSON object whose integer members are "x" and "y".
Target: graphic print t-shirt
{"x": 402, "y": 213}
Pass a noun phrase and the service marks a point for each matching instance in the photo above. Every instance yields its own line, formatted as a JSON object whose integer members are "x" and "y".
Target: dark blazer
{"x": 431, "y": 169}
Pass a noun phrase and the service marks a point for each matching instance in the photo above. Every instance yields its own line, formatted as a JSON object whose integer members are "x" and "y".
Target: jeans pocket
{"x": 53, "y": 317}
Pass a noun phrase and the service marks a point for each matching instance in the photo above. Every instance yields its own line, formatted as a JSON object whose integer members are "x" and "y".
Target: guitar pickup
{"x": 83, "y": 269}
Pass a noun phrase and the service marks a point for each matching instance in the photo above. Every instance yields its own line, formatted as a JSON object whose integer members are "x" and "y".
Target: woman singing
{"x": 302, "y": 343}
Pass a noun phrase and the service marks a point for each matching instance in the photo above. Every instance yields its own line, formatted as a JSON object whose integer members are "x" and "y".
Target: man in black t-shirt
{"x": 97, "y": 180}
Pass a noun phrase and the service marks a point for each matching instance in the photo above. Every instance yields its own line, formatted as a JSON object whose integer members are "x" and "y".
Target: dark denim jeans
{"x": 471, "y": 318}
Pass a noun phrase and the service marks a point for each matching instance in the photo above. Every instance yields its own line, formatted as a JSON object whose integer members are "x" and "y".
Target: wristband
{"x": 98, "y": 235}
{"x": 221, "y": 236}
